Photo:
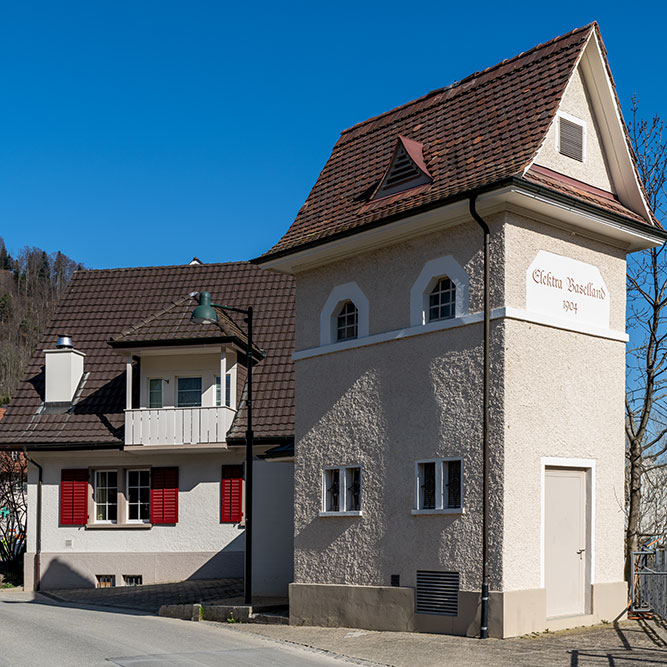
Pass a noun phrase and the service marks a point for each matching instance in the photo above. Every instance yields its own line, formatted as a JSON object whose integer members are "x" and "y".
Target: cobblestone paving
{"x": 151, "y": 598}
{"x": 624, "y": 644}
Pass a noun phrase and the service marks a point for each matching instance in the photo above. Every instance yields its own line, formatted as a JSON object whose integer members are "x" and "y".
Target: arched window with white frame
{"x": 345, "y": 315}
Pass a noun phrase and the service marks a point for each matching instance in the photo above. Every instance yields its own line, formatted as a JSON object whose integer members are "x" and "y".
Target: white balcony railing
{"x": 177, "y": 426}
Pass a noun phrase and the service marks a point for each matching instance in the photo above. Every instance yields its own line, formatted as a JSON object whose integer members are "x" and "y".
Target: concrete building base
{"x": 80, "y": 570}
{"x": 511, "y": 613}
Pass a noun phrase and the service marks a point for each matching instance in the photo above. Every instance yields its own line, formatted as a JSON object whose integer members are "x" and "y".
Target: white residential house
{"x": 388, "y": 257}
{"x": 134, "y": 426}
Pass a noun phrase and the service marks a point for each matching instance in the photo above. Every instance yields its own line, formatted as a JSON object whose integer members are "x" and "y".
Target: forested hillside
{"x": 30, "y": 286}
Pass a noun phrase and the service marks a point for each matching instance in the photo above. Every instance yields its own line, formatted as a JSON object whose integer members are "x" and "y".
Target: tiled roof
{"x": 100, "y": 304}
{"x": 172, "y": 325}
{"x": 479, "y": 131}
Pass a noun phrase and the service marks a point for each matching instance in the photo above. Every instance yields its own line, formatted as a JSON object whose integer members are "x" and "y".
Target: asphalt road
{"x": 38, "y": 632}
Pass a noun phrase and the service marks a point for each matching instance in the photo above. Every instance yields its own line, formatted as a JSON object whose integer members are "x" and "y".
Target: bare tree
{"x": 646, "y": 393}
{"x": 13, "y": 481}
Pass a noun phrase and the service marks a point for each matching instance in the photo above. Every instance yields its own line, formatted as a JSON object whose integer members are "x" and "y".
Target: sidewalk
{"x": 625, "y": 644}
{"x": 151, "y": 597}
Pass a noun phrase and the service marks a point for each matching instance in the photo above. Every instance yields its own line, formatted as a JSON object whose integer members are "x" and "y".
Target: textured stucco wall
{"x": 525, "y": 237}
{"x": 386, "y": 275}
{"x": 384, "y": 407}
{"x": 594, "y": 169}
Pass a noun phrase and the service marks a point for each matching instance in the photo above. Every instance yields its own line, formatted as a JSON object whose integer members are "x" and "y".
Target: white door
{"x": 565, "y": 541}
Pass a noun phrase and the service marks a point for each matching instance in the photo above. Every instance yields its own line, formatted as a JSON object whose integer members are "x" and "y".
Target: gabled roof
{"x": 99, "y": 304}
{"x": 173, "y": 326}
{"x": 480, "y": 132}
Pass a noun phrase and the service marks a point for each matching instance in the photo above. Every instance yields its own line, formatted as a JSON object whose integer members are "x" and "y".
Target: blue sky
{"x": 145, "y": 132}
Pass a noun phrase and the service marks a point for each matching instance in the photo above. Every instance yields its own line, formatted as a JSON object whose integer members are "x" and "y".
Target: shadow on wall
{"x": 226, "y": 563}
{"x": 60, "y": 575}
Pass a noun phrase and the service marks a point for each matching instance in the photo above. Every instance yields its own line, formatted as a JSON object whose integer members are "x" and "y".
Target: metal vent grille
{"x": 572, "y": 139}
{"x": 402, "y": 175}
{"x": 437, "y": 593}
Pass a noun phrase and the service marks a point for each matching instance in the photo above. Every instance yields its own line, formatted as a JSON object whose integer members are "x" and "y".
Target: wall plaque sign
{"x": 567, "y": 289}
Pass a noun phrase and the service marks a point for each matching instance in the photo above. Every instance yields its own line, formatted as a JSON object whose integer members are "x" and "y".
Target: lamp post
{"x": 205, "y": 313}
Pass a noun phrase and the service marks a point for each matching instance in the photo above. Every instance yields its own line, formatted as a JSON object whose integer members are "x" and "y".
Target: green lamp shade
{"x": 204, "y": 313}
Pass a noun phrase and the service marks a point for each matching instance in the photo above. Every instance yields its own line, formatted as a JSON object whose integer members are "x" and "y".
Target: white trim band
{"x": 508, "y": 312}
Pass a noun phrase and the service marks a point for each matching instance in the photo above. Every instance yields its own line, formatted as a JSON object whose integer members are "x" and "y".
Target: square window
{"x": 439, "y": 485}
{"x": 189, "y": 393}
{"x": 342, "y": 490}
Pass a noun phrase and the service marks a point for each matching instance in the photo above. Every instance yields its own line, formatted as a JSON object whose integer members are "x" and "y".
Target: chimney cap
{"x": 64, "y": 342}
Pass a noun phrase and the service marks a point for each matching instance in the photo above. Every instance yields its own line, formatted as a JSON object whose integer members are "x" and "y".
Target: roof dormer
{"x": 406, "y": 170}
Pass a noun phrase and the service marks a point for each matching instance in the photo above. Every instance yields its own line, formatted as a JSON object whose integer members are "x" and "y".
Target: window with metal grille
{"x": 133, "y": 579}
{"x": 442, "y": 300}
{"x": 437, "y": 593}
{"x": 571, "y": 139}
{"x": 105, "y": 580}
{"x": 439, "y": 486}
{"x": 342, "y": 489}
{"x": 347, "y": 322}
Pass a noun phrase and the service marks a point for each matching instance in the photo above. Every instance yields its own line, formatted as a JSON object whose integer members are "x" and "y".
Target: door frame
{"x": 589, "y": 466}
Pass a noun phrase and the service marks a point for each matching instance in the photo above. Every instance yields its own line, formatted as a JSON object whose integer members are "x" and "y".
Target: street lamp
{"x": 205, "y": 313}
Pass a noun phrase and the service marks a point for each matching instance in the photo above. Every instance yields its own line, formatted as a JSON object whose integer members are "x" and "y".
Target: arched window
{"x": 442, "y": 300}
{"x": 347, "y": 322}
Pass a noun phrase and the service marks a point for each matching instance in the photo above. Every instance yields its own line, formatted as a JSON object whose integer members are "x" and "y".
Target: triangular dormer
{"x": 406, "y": 169}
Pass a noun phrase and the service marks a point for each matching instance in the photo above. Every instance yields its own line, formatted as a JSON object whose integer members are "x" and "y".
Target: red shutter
{"x": 164, "y": 495}
{"x": 74, "y": 497}
{"x": 231, "y": 488}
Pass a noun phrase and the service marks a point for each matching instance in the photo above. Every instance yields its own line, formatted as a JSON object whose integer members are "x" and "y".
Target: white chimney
{"x": 64, "y": 370}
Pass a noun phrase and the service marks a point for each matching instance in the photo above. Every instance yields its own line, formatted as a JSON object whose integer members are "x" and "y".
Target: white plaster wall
{"x": 594, "y": 169}
{"x": 563, "y": 398}
{"x": 384, "y": 407}
{"x": 386, "y": 275}
{"x": 171, "y": 367}
{"x": 273, "y": 529}
{"x": 198, "y": 528}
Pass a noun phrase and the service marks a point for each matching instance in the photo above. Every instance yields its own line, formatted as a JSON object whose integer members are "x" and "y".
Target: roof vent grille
{"x": 406, "y": 169}
{"x": 437, "y": 593}
{"x": 571, "y": 139}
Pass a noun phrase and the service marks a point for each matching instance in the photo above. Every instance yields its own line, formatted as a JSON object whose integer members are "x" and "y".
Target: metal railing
{"x": 177, "y": 426}
{"x": 648, "y": 588}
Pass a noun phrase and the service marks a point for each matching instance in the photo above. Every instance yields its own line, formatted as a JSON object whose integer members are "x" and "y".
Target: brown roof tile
{"x": 476, "y": 132}
{"x": 100, "y": 304}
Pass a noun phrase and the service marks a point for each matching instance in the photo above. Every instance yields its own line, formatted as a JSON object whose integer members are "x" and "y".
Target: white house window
{"x": 438, "y": 486}
{"x": 228, "y": 390}
{"x": 342, "y": 491}
{"x": 106, "y": 496}
{"x": 442, "y": 300}
{"x": 155, "y": 393}
{"x": 189, "y": 393}
{"x": 138, "y": 496}
{"x": 347, "y": 322}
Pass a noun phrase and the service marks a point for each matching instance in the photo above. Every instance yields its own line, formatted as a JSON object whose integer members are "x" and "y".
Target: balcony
{"x": 177, "y": 426}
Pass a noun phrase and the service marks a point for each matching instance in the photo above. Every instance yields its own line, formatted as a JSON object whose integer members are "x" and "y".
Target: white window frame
{"x": 225, "y": 397}
{"x": 440, "y": 486}
{"x": 201, "y": 393}
{"x": 342, "y": 491}
{"x": 431, "y": 273}
{"x": 329, "y": 313}
{"x": 576, "y": 121}
{"x": 148, "y": 391}
{"x": 127, "y": 495}
{"x": 110, "y": 522}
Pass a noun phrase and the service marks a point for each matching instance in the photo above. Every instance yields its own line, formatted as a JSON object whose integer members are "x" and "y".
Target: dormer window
{"x": 347, "y": 322}
{"x": 442, "y": 300}
{"x": 406, "y": 170}
{"x": 571, "y": 137}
